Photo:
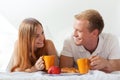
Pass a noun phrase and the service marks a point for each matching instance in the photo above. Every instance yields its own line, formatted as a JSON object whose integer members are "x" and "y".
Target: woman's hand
{"x": 39, "y": 65}
{"x": 18, "y": 70}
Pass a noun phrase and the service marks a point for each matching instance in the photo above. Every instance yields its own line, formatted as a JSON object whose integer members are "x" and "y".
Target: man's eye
{"x": 80, "y": 31}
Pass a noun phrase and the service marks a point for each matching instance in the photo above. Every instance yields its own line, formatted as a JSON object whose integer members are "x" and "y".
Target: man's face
{"x": 81, "y": 33}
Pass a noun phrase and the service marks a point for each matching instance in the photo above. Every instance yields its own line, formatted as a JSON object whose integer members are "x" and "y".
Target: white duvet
{"x": 92, "y": 75}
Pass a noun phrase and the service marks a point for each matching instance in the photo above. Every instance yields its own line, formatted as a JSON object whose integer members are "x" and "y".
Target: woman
{"x": 30, "y": 47}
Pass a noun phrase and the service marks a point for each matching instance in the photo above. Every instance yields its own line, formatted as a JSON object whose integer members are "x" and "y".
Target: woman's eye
{"x": 42, "y": 32}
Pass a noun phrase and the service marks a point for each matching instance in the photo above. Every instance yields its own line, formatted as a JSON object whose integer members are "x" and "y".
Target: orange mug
{"x": 83, "y": 65}
{"x": 49, "y": 61}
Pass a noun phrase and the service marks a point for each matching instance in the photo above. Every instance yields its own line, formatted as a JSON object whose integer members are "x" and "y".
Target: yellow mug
{"x": 83, "y": 65}
{"x": 49, "y": 61}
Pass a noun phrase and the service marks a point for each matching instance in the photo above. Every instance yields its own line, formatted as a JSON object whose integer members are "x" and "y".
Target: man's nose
{"x": 75, "y": 33}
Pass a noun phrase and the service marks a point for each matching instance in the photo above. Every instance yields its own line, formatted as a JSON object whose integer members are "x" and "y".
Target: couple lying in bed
{"x": 87, "y": 41}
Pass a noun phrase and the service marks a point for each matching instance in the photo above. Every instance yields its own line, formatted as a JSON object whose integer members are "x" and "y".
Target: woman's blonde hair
{"x": 26, "y": 57}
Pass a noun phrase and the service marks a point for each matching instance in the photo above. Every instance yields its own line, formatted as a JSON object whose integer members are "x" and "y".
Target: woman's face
{"x": 39, "y": 40}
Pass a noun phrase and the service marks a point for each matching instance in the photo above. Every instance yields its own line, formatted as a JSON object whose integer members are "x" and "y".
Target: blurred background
{"x": 57, "y": 17}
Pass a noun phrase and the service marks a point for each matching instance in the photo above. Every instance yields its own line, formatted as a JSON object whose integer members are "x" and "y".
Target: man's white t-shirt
{"x": 108, "y": 48}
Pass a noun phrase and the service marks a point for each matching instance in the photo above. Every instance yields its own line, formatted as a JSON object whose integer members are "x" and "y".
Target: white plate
{"x": 63, "y": 74}
{"x": 70, "y": 74}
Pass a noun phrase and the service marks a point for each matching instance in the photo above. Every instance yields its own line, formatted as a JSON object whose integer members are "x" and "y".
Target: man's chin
{"x": 78, "y": 44}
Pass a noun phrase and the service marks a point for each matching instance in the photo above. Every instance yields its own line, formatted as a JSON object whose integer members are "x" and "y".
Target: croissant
{"x": 69, "y": 70}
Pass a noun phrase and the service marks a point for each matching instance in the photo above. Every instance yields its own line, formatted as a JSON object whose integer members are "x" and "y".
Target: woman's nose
{"x": 41, "y": 37}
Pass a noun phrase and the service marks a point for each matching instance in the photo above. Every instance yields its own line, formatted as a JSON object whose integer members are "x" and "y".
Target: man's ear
{"x": 95, "y": 32}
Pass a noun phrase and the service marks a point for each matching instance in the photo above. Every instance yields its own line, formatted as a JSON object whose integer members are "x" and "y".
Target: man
{"x": 102, "y": 49}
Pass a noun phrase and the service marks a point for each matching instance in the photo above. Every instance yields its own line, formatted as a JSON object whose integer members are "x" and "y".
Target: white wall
{"x": 57, "y": 16}
{"x": 8, "y": 36}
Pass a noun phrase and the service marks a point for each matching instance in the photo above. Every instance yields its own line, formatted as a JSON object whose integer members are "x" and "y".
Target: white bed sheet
{"x": 92, "y": 75}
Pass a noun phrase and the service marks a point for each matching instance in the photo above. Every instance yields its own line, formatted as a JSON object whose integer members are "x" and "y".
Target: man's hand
{"x": 98, "y": 63}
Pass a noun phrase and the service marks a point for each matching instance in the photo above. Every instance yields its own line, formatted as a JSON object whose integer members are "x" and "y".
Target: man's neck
{"x": 91, "y": 47}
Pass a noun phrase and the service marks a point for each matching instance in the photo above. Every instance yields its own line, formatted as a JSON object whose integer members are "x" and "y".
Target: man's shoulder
{"x": 69, "y": 39}
{"x": 107, "y": 36}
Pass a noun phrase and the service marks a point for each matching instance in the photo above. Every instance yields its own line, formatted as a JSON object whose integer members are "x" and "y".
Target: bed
{"x": 92, "y": 75}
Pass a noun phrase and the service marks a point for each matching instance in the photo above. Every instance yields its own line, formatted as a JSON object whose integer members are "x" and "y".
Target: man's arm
{"x": 114, "y": 65}
{"x": 66, "y": 61}
{"x": 106, "y": 65}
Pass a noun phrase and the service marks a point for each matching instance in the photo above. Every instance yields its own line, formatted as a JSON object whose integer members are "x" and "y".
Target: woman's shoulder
{"x": 50, "y": 47}
{"x": 48, "y": 41}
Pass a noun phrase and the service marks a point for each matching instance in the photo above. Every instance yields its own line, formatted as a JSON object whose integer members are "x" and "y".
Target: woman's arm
{"x": 32, "y": 69}
{"x": 39, "y": 65}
